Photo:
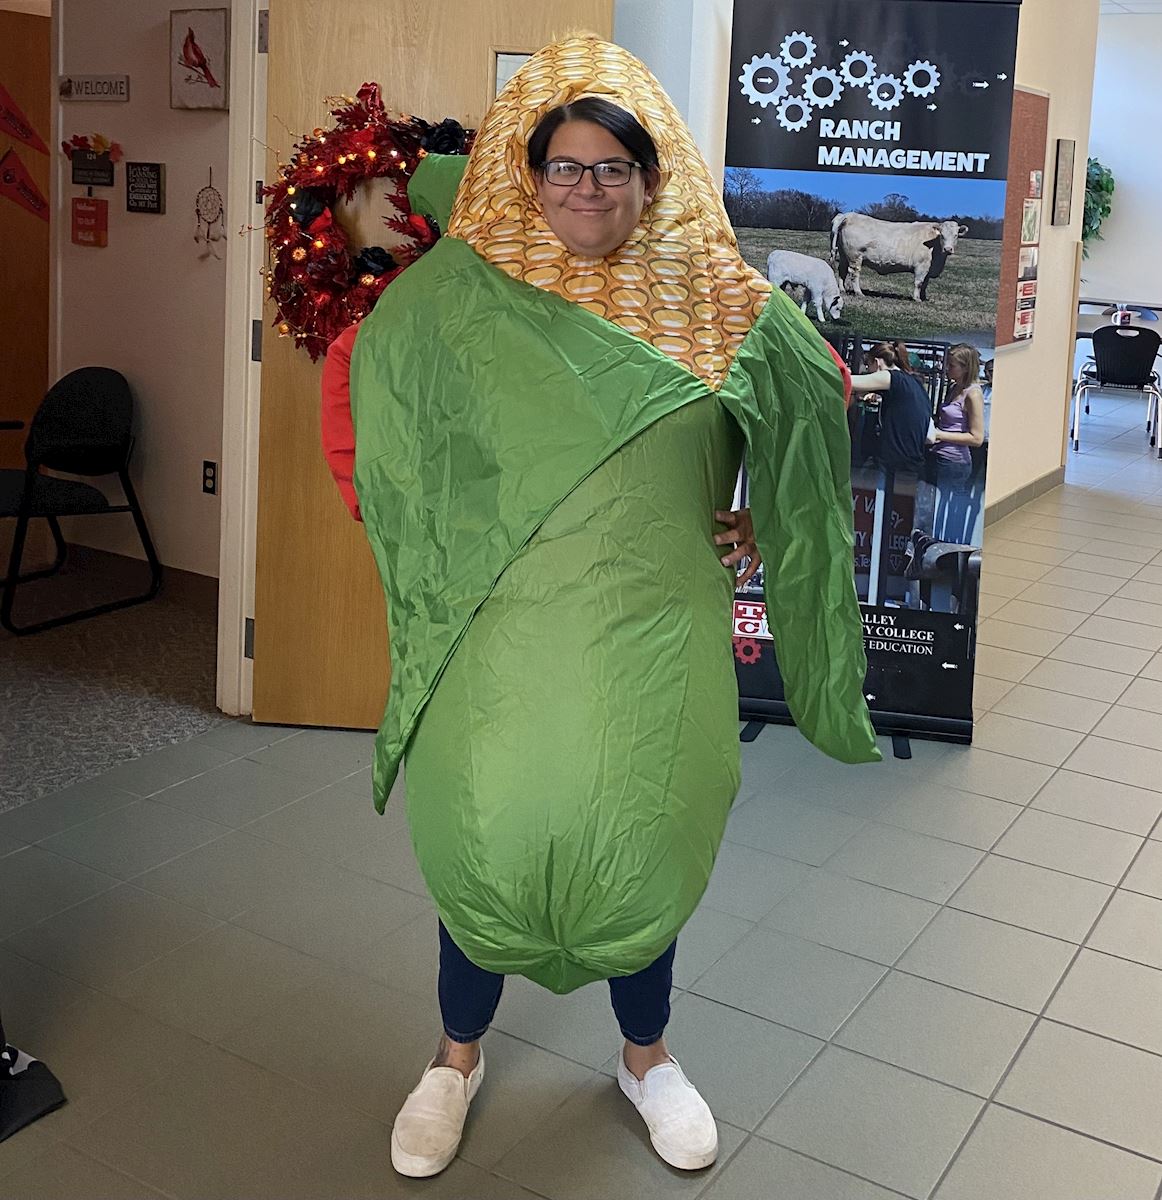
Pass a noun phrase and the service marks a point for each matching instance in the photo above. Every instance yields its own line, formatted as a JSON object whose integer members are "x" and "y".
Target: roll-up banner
{"x": 867, "y": 157}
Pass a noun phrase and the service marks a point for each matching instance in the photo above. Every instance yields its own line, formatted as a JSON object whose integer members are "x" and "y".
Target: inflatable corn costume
{"x": 542, "y": 440}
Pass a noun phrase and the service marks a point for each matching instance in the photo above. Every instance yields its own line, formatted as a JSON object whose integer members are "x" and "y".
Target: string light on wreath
{"x": 318, "y": 282}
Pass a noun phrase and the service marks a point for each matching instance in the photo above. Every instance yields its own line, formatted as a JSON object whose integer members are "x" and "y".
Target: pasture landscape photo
{"x": 951, "y": 228}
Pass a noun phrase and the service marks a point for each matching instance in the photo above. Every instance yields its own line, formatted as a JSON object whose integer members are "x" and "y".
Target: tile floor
{"x": 935, "y": 978}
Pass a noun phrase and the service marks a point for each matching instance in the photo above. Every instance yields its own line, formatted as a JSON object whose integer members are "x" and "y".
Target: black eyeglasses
{"x": 611, "y": 172}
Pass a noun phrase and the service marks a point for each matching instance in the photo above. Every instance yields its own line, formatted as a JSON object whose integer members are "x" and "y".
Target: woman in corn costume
{"x": 543, "y": 436}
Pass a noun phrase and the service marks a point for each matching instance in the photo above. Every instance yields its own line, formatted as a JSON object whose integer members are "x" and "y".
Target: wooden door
{"x": 25, "y": 74}
{"x": 320, "y": 633}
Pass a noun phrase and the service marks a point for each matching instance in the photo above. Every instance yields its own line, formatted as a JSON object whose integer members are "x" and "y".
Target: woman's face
{"x": 590, "y": 219}
{"x": 956, "y": 373}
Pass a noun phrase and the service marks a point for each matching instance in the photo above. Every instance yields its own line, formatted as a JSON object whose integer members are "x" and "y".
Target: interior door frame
{"x": 242, "y": 377}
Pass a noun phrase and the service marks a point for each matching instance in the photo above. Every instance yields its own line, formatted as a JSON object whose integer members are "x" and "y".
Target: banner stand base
{"x": 901, "y": 746}
{"x": 887, "y": 724}
{"x": 752, "y": 730}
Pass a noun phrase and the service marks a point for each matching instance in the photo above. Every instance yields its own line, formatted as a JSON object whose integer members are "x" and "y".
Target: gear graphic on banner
{"x": 795, "y": 114}
{"x": 858, "y": 69}
{"x": 747, "y": 650}
{"x": 757, "y": 65}
{"x": 798, "y": 50}
{"x": 886, "y": 92}
{"x": 823, "y": 87}
{"x": 922, "y": 78}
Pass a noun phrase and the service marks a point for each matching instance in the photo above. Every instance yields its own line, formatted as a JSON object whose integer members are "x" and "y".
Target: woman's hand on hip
{"x": 740, "y": 535}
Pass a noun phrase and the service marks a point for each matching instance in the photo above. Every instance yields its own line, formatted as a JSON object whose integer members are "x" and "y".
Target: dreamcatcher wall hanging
{"x": 211, "y": 215}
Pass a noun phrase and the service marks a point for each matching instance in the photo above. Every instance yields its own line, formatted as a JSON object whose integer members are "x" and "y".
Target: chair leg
{"x": 61, "y": 553}
{"x": 9, "y": 585}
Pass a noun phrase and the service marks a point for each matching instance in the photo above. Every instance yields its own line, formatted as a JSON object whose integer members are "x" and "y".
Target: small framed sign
{"x": 1063, "y": 182}
{"x": 145, "y": 187}
{"x": 91, "y": 169}
{"x": 199, "y": 41}
{"x": 94, "y": 87}
{"x": 90, "y": 222}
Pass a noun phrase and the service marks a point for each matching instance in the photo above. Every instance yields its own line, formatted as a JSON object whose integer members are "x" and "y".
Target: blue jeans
{"x": 954, "y": 494}
{"x": 469, "y": 996}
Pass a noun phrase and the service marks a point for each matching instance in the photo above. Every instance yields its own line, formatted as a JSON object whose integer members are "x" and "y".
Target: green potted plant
{"x": 1099, "y": 193}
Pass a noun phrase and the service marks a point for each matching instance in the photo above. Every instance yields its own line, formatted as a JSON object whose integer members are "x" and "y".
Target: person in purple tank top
{"x": 959, "y": 427}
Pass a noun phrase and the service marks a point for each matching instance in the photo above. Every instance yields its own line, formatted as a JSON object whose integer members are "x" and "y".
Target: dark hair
{"x": 624, "y": 126}
{"x": 895, "y": 354}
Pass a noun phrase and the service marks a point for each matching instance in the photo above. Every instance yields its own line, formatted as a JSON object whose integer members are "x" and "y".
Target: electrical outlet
{"x": 210, "y": 478}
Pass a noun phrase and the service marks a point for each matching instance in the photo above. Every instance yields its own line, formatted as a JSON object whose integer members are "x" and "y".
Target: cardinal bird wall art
{"x": 198, "y": 73}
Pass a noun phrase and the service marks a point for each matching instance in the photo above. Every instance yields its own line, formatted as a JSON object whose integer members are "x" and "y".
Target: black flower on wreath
{"x": 449, "y": 137}
{"x": 307, "y": 205}
{"x": 373, "y": 260}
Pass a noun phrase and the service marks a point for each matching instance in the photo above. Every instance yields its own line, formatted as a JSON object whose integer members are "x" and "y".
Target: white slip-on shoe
{"x": 680, "y": 1122}
{"x": 427, "y": 1130}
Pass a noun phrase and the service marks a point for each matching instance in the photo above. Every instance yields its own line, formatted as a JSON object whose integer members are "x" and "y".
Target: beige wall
{"x": 148, "y": 304}
{"x": 1032, "y": 381}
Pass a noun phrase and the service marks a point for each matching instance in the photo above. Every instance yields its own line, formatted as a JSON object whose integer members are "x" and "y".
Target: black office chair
{"x": 1123, "y": 360}
{"x": 82, "y": 427}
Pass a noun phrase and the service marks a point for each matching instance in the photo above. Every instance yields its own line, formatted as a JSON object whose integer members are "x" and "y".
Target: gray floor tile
{"x": 1131, "y": 928}
{"x": 1025, "y": 739}
{"x": 1050, "y": 902}
{"x": 1090, "y": 581}
{"x": 127, "y": 841}
{"x": 769, "y": 757}
{"x": 906, "y": 862}
{"x": 1113, "y": 997}
{"x": 705, "y": 938}
{"x": 1121, "y": 633}
{"x": 407, "y": 958}
{"x": 213, "y": 985}
{"x": 1108, "y": 656}
{"x": 947, "y": 1035}
{"x": 104, "y": 938}
{"x": 32, "y": 1145}
{"x": 50, "y": 814}
{"x": 1056, "y": 595}
{"x": 1002, "y": 587}
{"x": 1014, "y": 1157}
{"x": 749, "y": 883}
{"x": 809, "y": 988}
{"x": 65, "y": 1174}
{"x": 803, "y": 832}
{"x": 1125, "y": 724}
{"x": 163, "y": 768}
{"x": 873, "y": 1120}
{"x": 579, "y": 1026}
{"x": 1121, "y": 608}
{"x": 740, "y": 1063}
{"x": 324, "y": 755}
{"x": 1138, "y": 766}
{"x": 1000, "y": 962}
{"x": 237, "y": 793}
{"x": 242, "y": 736}
{"x": 1015, "y": 548}
{"x": 1101, "y": 802}
{"x": 391, "y": 858}
{"x": 105, "y": 1054}
{"x": 1146, "y": 874}
{"x": 849, "y": 915}
{"x": 1077, "y": 680}
{"x": 952, "y": 815}
{"x": 761, "y": 1170}
{"x": 988, "y": 692}
{"x": 333, "y": 914}
{"x": 1153, "y": 669}
{"x": 1040, "y": 616}
{"x": 1090, "y": 1084}
{"x": 1063, "y": 844}
{"x": 1143, "y": 693}
{"x": 987, "y": 774}
{"x": 270, "y": 1137}
{"x": 228, "y": 876}
{"x": 1015, "y": 568}
{"x": 1102, "y": 565}
{"x": 36, "y": 883}
{"x": 1057, "y": 709}
{"x": 596, "y": 1145}
{"x": 33, "y": 995}
{"x": 1006, "y": 635}
{"x": 330, "y": 824}
{"x": 9, "y": 845}
{"x": 1009, "y": 665}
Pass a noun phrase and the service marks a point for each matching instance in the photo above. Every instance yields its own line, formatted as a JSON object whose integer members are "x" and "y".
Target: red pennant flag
{"x": 14, "y": 122}
{"x": 18, "y": 185}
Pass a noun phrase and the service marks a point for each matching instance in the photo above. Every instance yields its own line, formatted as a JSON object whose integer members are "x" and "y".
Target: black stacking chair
{"x": 1123, "y": 360}
{"x": 84, "y": 426}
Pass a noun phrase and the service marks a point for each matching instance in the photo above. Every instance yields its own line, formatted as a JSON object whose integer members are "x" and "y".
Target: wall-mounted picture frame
{"x": 1063, "y": 182}
{"x": 506, "y": 65}
{"x": 199, "y": 73}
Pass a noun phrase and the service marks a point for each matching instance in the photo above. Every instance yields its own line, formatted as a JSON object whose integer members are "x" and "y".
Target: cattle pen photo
{"x": 951, "y": 228}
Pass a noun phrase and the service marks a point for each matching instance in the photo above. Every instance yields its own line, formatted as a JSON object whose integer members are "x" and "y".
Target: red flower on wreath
{"x": 320, "y": 284}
